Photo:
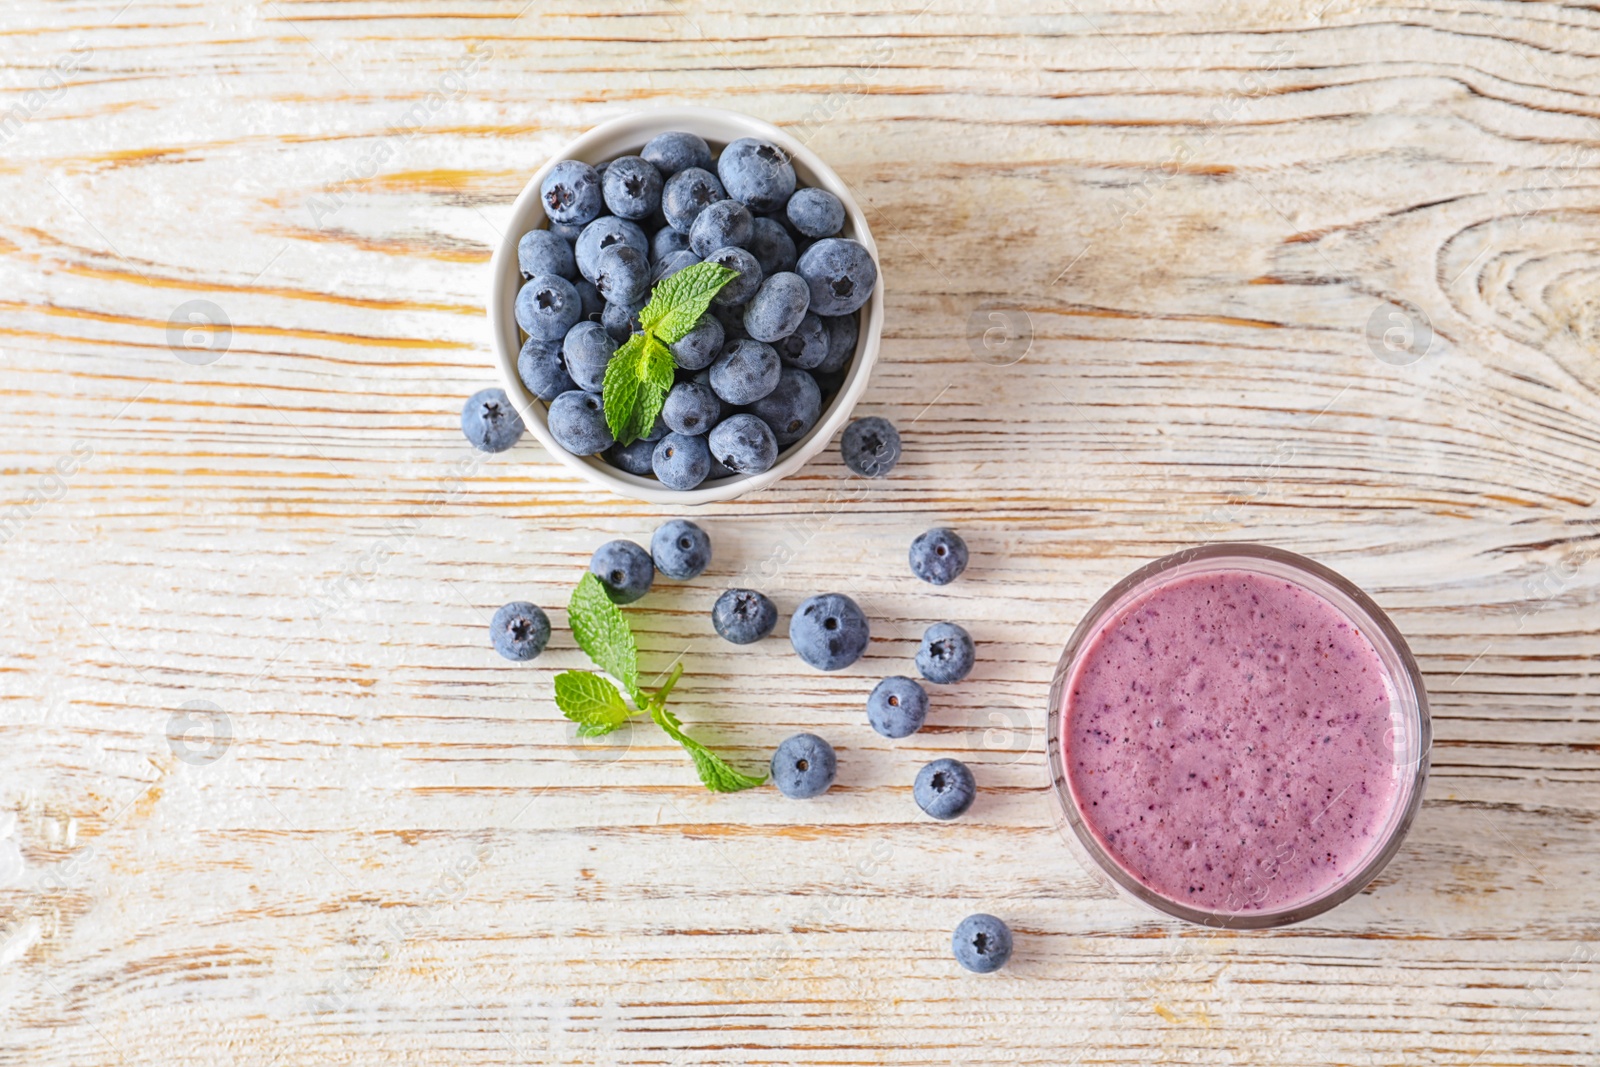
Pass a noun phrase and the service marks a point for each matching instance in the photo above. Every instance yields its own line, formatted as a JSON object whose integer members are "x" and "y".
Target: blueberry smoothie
{"x": 1228, "y": 737}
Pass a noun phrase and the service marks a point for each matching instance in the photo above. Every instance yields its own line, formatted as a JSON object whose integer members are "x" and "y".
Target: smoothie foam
{"x": 1229, "y": 741}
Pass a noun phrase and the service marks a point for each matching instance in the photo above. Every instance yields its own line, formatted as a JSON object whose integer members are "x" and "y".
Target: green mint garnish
{"x": 640, "y": 373}
{"x": 592, "y": 702}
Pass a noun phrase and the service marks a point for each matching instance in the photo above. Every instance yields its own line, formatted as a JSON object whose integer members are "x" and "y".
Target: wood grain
{"x": 1198, "y": 221}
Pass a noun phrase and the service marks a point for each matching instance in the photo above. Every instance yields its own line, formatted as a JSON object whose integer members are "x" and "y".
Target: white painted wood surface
{"x": 1191, "y": 212}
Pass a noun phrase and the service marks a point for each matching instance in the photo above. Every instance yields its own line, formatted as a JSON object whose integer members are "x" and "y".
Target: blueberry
{"x": 841, "y": 275}
{"x": 589, "y": 296}
{"x": 829, "y": 631}
{"x": 674, "y": 262}
{"x": 490, "y": 422}
{"x": 622, "y": 274}
{"x": 632, "y": 188}
{"x": 606, "y": 232}
{"x": 804, "y": 766}
{"x": 727, "y": 222}
{"x": 688, "y": 193}
{"x": 519, "y": 630}
{"x": 870, "y": 446}
{"x": 578, "y": 423}
{"x": 744, "y": 444}
{"x": 547, "y": 306}
{"x": 814, "y": 212}
{"x": 691, "y": 408}
{"x": 567, "y": 231}
{"x": 622, "y": 320}
{"x": 843, "y": 330}
{"x": 587, "y": 350}
{"x": 743, "y": 616}
{"x": 675, "y": 150}
{"x": 982, "y": 943}
{"x": 938, "y": 556}
{"x": 697, "y": 349}
{"x": 745, "y": 372}
{"x": 807, "y": 346}
{"x": 681, "y": 461}
{"x": 946, "y": 655}
{"x": 542, "y": 252}
{"x": 742, "y": 287}
{"x": 718, "y": 470}
{"x": 772, "y": 246}
{"x": 624, "y": 569}
{"x": 681, "y": 549}
{"x": 542, "y": 369}
{"x": 897, "y": 707}
{"x": 571, "y": 192}
{"x": 637, "y": 458}
{"x": 944, "y": 788}
{"x": 778, "y": 307}
{"x": 792, "y": 408}
{"x": 732, "y": 318}
{"x": 757, "y": 174}
{"x": 665, "y": 242}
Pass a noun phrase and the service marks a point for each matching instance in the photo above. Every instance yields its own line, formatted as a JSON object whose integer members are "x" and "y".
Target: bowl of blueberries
{"x": 766, "y": 375}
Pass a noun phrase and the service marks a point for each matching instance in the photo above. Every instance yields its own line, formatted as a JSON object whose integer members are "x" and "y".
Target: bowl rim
{"x": 527, "y": 212}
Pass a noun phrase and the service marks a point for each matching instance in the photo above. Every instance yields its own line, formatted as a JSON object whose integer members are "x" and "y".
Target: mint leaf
{"x": 714, "y": 771}
{"x": 620, "y": 390}
{"x": 678, "y": 302}
{"x": 591, "y": 702}
{"x": 601, "y": 631}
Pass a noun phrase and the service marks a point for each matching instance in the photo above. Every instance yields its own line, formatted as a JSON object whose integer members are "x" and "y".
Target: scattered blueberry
{"x": 938, "y": 556}
{"x": 688, "y": 193}
{"x": 571, "y": 192}
{"x": 807, "y": 347}
{"x": 843, "y": 331}
{"x": 814, "y": 212}
{"x": 944, "y": 788}
{"x": 543, "y": 370}
{"x": 743, "y": 444}
{"x": 519, "y": 630}
{"x": 840, "y": 273}
{"x": 829, "y": 631}
{"x": 542, "y": 252}
{"x": 772, "y": 246}
{"x": 699, "y": 348}
{"x": 622, "y": 320}
{"x": 587, "y": 350}
{"x": 792, "y": 408}
{"x": 637, "y": 458}
{"x": 667, "y": 241}
{"x": 624, "y": 569}
{"x": 804, "y": 766}
{"x": 743, "y": 616}
{"x": 947, "y": 653}
{"x": 982, "y": 943}
{"x": 691, "y": 408}
{"x": 870, "y": 446}
{"x": 742, "y": 288}
{"x": 727, "y": 222}
{"x": 681, "y": 550}
{"x": 681, "y": 461}
{"x": 601, "y": 234}
{"x": 622, "y": 274}
{"x": 757, "y": 174}
{"x": 897, "y": 707}
{"x": 578, "y": 423}
{"x": 778, "y": 307}
{"x": 632, "y": 188}
{"x": 547, "y": 306}
{"x": 490, "y": 422}
{"x": 675, "y": 150}
{"x": 745, "y": 372}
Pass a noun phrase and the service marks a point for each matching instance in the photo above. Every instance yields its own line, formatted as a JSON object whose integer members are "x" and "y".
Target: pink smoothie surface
{"x": 1228, "y": 740}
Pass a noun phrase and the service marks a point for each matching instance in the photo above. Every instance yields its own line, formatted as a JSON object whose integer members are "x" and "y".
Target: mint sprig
{"x": 598, "y": 708}
{"x": 640, "y": 372}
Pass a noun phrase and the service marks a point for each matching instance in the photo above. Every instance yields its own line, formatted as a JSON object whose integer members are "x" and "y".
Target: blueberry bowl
{"x": 627, "y": 136}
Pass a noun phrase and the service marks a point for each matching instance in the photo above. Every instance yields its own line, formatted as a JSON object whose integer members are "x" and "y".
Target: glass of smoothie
{"x": 1238, "y": 737}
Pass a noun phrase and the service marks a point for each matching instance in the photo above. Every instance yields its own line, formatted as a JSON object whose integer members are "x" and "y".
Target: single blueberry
{"x": 807, "y": 346}
{"x": 981, "y": 944}
{"x": 608, "y": 231}
{"x": 567, "y": 231}
{"x": 843, "y": 330}
{"x": 944, "y": 788}
{"x": 543, "y": 370}
{"x": 792, "y": 408}
{"x": 814, "y": 212}
{"x": 624, "y": 569}
{"x": 667, "y": 241}
{"x": 778, "y": 307}
{"x": 587, "y": 350}
{"x": 622, "y": 320}
{"x": 622, "y": 274}
{"x": 687, "y": 194}
{"x": 757, "y": 174}
{"x": 542, "y": 252}
{"x": 745, "y": 372}
{"x": 547, "y": 306}
{"x": 743, "y": 616}
{"x": 840, "y": 273}
{"x": 804, "y": 766}
{"x": 681, "y": 550}
{"x": 718, "y": 470}
{"x": 870, "y": 446}
{"x": 947, "y": 653}
{"x": 571, "y": 192}
{"x": 637, "y": 458}
{"x": 490, "y": 422}
{"x": 691, "y": 408}
{"x": 732, "y": 318}
{"x": 699, "y": 348}
{"x": 744, "y": 444}
{"x": 578, "y": 423}
{"x": 727, "y": 222}
{"x": 742, "y": 288}
{"x": 829, "y": 631}
{"x": 681, "y": 462}
{"x": 519, "y": 630}
{"x": 676, "y": 150}
{"x": 772, "y": 246}
{"x": 674, "y": 262}
{"x": 632, "y": 188}
{"x": 589, "y": 296}
{"x": 897, "y": 707}
{"x": 938, "y": 556}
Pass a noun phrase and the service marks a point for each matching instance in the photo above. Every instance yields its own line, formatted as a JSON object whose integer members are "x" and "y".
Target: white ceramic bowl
{"x": 626, "y": 136}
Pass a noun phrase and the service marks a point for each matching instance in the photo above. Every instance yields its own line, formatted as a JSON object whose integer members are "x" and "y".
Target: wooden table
{"x": 1323, "y": 276}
